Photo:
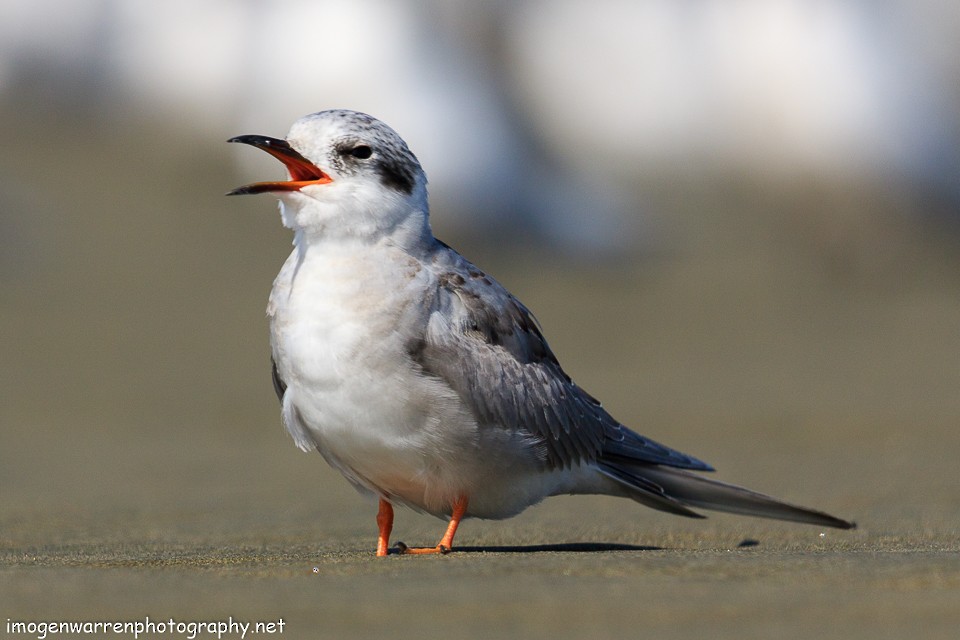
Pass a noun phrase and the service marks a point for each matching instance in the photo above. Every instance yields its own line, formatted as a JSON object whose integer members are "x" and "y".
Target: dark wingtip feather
{"x": 629, "y": 447}
{"x": 680, "y": 487}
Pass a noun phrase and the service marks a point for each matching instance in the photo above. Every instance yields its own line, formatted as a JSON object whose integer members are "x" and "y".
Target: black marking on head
{"x": 396, "y": 172}
{"x": 396, "y": 167}
{"x": 370, "y": 141}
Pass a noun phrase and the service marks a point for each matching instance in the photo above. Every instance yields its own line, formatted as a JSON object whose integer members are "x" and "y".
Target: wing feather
{"x": 488, "y": 347}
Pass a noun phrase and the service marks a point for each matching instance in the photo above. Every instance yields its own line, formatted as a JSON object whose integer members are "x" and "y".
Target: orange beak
{"x": 302, "y": 171}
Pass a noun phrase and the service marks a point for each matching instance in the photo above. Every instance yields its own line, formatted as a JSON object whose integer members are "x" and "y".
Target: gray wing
{"x": 488, "y": 347}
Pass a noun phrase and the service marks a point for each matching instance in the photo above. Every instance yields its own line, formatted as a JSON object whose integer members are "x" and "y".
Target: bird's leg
{"x": 446, "y": 542}
{"x": 385, "y": 524}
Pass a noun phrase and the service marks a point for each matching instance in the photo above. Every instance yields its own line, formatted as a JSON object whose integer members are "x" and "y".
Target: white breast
{"x": 341, "y": 319}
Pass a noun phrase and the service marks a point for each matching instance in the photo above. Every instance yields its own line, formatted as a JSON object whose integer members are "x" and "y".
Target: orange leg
{"x": 385, "y": 524}
{"x": 446, "y": 542}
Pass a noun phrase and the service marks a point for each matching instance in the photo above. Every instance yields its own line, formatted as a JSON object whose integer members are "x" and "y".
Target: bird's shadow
{"x": 567, "y": 547}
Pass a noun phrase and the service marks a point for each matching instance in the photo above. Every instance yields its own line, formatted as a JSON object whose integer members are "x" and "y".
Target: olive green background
{"x": 803, "y": 336}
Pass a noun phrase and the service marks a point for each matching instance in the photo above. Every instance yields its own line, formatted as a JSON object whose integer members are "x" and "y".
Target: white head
{"x": 350, "y": 176}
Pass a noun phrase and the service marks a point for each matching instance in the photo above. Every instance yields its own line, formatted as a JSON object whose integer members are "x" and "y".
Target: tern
{"x": 422, "y": 379}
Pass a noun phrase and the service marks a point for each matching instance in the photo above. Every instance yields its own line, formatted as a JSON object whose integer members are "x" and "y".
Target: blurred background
{"x": 737, "y": 222}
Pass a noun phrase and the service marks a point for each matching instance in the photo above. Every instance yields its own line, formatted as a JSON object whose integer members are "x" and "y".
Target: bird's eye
{"x": 361, "y": 152}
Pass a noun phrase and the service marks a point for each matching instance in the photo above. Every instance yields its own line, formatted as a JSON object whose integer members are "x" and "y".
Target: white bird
{"x": 421, "y": 378}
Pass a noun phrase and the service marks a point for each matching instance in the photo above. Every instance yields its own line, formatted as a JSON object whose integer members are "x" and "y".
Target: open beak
{"x": 302, "y": 171}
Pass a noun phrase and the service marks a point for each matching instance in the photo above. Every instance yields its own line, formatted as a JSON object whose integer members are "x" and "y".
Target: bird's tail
{"x": 674, "y": 490}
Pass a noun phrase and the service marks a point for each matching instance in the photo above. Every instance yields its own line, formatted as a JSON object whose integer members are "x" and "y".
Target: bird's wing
{"x": 487, "y": 346}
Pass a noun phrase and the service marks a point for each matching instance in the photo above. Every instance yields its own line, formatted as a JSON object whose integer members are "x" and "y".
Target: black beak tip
{"x": 263, "y": 142}
{"x": 245, "y": 190}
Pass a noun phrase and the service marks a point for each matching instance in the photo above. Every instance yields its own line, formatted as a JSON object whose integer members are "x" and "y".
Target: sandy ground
{"x": 803, "y": 345}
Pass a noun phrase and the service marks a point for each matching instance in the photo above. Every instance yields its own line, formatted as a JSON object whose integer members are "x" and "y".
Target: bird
{"x": 422, "y": 379}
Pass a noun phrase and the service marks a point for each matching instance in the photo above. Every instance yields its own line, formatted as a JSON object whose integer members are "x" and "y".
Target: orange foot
{"x": 404, "y": 549}
{"x": 446, "y": 542}
{"x": 385, "y": 524}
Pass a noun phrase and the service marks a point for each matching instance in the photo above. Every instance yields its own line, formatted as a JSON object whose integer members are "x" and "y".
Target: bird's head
{"x": 349, "y": 175}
